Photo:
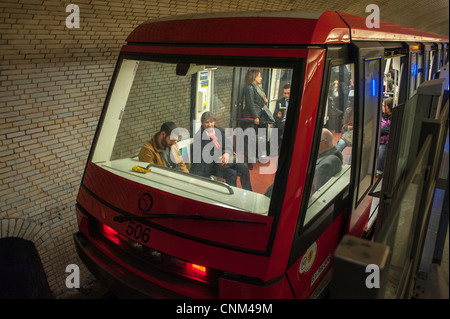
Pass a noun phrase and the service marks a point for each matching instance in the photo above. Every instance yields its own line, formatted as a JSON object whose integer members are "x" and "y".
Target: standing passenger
{"x": 384, "y": 135}
{"x": 255, "y": 99}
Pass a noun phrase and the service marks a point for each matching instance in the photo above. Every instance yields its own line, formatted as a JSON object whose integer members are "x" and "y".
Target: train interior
{"x": 148, "y": 94}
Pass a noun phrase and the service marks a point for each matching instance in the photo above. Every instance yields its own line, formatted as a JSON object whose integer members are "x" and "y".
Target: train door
{"x": 326, "y": 196}
{"x": 237, "y": 98}
{"x": 206, "y": 101}
{"x": 396, "y": 72}
{"x": 273, "y": 81}
{"x": 440, "y": 56}
{"x": 445, "y": 53}
{"x": 207, "y": 87}
{"x": 367, "y": 116}
{"x": 427, "y": 60}
{"x": 220, "y": 90}
{"x": 415, "y": 68}
{"x": 420, "y": 64}
{"x": 435, "y": 59}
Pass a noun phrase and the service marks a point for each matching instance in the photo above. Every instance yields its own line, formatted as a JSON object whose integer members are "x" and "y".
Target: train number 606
{"x": 138, "y": 232}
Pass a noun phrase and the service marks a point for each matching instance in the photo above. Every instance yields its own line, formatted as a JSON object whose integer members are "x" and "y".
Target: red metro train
{"x": 166, "y": 233}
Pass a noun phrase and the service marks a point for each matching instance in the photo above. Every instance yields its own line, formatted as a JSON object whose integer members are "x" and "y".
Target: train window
{"x": 332, "y": 167}
{"x": 445, "y": 54}
{"x": 370, "y": 122}
{"x": 392, "y": 76}
{"x": 203, "y": 158}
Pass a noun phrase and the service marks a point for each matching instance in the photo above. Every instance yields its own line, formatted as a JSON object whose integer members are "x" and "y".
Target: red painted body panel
{"x": 181, "y": 247}
{"x": 298, "y": 170}
{"x": 177, "y": 287}
{"x": 124, "y": 195}
{"x": 329, "y": 27}
{"x": 262, "y": 28}
{"x": 232, "y": 289}
{"x": 307, "y": 272}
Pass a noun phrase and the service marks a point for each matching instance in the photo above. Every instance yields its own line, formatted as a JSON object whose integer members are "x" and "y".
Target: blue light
{"x": 415, "y": 69}
{"x": 374, "y": 87}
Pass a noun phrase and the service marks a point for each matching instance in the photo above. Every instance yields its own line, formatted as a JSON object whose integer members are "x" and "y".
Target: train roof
{"x": 290, "y": 27}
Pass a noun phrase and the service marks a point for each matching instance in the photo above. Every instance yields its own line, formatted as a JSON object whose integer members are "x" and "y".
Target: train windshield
{"x": 209, "y": 133}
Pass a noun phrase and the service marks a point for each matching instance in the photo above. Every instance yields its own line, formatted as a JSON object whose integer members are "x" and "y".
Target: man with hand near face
{"x": 162, "y": 148}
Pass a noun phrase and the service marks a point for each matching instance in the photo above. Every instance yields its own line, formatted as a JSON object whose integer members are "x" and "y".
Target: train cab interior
{"x": 148, "y": 94}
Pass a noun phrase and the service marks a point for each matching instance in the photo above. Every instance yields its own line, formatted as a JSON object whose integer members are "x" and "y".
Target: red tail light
{"x": 111, "y": 234}
{"x": 193, "y": 271}
{"x": 197, "y": 271}
{"x": 183, "y": 268}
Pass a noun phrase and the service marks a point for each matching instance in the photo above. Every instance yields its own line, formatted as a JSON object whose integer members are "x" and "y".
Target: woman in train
{"x": 384, "y": 135}
{"x": 255, "y": 99}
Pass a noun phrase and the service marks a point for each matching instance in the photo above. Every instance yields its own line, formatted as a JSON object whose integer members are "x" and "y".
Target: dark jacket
{"x": 254, "y": 102}
{"x": 328, "y": 164}
{"x": 280, "y": 106}
{"x": 203, "y": 168}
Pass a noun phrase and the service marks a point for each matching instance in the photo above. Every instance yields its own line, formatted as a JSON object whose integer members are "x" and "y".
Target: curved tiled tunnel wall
{"x": 28, "y": 230}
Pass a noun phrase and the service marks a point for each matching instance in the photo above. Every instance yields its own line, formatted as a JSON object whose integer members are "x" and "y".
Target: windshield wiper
{"x": 123, "y": 218}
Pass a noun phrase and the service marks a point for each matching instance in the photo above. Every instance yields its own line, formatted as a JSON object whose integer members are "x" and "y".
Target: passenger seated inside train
{"x": 162, "y": 148}
{"x": 214, "y": 144}
{"x": 329, "y": 160}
